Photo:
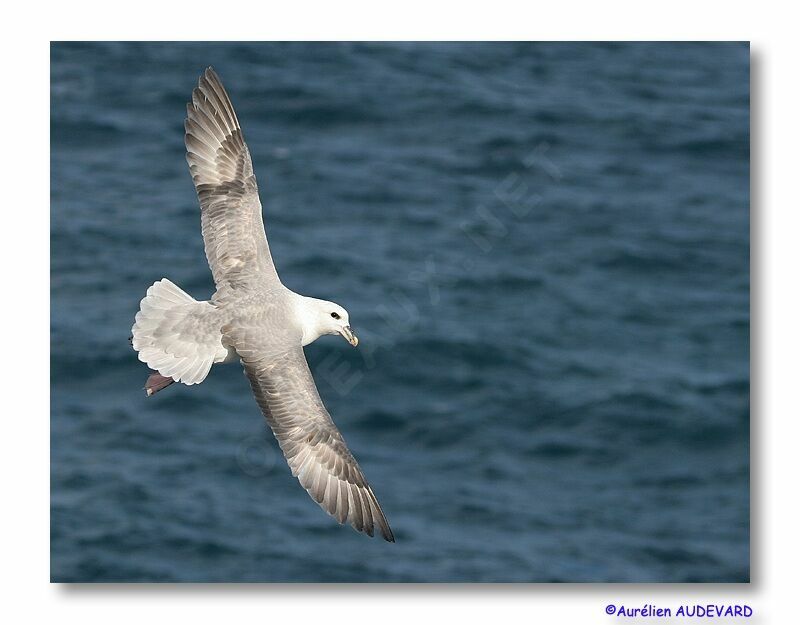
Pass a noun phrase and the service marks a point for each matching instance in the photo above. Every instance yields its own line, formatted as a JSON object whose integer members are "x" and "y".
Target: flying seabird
{"x": 252, "y": 317}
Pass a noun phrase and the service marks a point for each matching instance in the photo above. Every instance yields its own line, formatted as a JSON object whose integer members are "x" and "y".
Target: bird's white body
{"x": 182, "y": 338}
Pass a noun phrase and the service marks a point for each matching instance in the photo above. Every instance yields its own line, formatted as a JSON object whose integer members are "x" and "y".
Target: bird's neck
{"x": 307, "y": 313}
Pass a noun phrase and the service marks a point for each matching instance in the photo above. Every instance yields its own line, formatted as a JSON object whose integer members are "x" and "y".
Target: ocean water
{"x": 544, "y": 249}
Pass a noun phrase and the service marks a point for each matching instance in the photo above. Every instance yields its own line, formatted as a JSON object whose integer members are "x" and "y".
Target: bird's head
{"x": 322, "y": 317}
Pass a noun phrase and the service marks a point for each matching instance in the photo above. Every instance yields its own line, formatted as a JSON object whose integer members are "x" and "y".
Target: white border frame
{"x": 25, "y": 254}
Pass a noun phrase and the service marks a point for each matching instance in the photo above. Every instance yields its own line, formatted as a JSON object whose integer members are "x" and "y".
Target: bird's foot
{"x": 156, "y": 382}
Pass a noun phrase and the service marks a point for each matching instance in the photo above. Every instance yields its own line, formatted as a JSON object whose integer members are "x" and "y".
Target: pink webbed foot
{"x": 156, "y": 382}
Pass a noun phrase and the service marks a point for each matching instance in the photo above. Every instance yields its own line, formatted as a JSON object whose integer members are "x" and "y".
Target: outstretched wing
{"x": 219, "y": 161}
{"x": 311, "y": 442}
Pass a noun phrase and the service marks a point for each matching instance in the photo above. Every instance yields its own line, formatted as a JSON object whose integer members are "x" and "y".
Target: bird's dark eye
{"x": 335, "y": 315}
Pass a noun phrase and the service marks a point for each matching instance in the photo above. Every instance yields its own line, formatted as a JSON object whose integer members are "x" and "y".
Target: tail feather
{"x": 173, "y": 334}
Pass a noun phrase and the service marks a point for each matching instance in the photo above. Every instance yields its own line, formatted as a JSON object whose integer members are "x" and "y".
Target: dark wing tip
{"x": 211, "y": 75}
{"x": 211, "y": 97}
{"x": 369, "y": 529}
{"x": 386, "y": 531}
{"x": 380, "y": 518}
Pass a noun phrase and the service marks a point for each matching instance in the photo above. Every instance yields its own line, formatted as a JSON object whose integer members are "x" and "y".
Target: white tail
{"x": 174, "y": 334}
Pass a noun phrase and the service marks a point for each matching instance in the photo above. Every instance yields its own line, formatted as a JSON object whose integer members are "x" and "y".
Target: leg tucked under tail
{"x": 156, "y": 382}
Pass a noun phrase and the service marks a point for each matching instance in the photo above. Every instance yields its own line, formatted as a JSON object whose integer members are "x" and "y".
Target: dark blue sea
{"x": 544, "y": 249}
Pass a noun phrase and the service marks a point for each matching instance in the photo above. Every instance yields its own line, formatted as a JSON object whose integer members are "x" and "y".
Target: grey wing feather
{"x": 219, "y": 161}
{"x": 314, "y": 448}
